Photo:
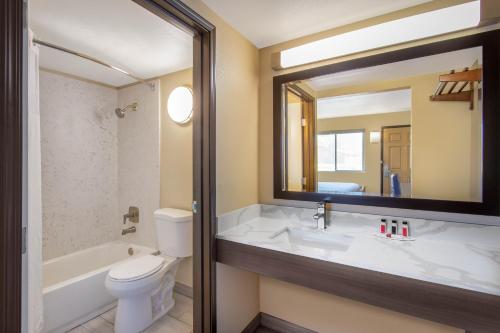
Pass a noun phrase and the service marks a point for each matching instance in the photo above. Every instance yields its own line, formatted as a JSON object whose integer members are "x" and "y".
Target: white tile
{"x": 79, "y": 164}
{"x": 79, "y": 329}
{"x": 99, "y": 325}
{"x": 167, "y": 324}
{"x": 109, "y": 316}
{"x": 178, "y": 320}
{"x": 139, "y": 168}
{"x": 183, "y": 309}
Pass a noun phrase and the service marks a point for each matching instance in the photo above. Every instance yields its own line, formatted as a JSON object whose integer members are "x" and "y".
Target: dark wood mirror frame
{"x": 490, "y": 205}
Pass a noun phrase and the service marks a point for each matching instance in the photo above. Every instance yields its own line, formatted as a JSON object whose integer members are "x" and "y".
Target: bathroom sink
{"x": 319, "y": 239}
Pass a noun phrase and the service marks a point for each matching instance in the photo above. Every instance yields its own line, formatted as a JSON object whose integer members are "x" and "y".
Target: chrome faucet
{"x": 128, "y": 230}
{"x": 320, "y": 216}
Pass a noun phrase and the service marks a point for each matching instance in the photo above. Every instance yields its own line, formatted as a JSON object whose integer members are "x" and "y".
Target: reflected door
{"x": 396, "y": 158}
{"x": 301, "y": 139}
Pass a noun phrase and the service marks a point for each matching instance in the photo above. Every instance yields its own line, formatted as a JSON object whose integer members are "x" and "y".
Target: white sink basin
{"x": 319, "y": 239}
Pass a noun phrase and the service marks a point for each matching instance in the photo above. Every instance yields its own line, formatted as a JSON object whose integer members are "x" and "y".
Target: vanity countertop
{"x": 453, "y": 254}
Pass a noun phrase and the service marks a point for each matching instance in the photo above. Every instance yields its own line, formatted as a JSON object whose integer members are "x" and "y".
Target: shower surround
{"x": 88, "y": 175}
{"x": 139, "y": 158}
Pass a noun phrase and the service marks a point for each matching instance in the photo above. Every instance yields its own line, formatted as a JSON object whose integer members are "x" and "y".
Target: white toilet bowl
{"x": 144, "y": 289}
{"x": 144, "y": 286}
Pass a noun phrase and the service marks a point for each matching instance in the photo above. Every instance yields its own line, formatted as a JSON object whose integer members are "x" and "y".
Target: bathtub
{"x": 74, "y": 289}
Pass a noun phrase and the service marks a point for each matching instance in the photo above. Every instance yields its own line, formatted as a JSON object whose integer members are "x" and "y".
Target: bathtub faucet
{"x": 132, "y": 215}
{"x": 128, "y": 230}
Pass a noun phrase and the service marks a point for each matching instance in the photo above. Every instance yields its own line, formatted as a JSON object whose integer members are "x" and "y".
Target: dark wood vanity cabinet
{"x": 470, "y": 310}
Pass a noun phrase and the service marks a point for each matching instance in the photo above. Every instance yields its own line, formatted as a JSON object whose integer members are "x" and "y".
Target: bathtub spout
{"x": 128, "y": 230}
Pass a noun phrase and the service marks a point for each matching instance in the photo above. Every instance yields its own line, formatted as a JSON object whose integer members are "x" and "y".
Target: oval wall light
{"x": 180, "y": 105}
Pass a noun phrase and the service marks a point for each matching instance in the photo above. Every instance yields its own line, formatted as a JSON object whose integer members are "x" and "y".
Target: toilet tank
{"x": 174, "y": 231}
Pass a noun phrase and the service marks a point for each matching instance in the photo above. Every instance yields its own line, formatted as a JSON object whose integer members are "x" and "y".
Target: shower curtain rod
{"x": 81, "y": 55}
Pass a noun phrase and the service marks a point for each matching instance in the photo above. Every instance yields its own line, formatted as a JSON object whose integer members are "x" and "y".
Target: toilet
{"x": 144, "y": 286}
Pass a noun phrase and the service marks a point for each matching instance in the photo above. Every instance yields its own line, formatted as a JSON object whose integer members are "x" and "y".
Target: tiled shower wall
{"x": 79, "y": 145}
{"x": 139, "y": 159}
{"x": 95, "y": 165}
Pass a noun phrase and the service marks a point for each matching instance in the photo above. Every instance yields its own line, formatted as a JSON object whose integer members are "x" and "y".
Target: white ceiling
{"x": 268, "y": 22}
{"x": 118, "y": 32}
{"x": 364, "y": 104}
{"x": 420, "y": 66}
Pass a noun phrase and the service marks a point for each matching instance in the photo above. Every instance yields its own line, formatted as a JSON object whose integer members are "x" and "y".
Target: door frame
{"x": 12, "y": 100}
{"x": 382, "y": 153}
{"x": 308, "y": 113}
{"x": 11, "y": 164}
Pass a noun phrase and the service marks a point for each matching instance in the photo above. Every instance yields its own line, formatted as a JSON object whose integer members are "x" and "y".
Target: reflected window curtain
{"x": 35, "y": 283}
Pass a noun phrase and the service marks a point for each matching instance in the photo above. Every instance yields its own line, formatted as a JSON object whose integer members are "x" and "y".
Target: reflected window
{"x": 340, "y": 151}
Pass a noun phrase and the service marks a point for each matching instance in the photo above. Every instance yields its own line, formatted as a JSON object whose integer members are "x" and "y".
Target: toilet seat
{"x": 140, "y": 268}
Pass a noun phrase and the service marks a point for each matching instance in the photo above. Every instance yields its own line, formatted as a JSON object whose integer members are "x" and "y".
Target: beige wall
{"x": 444, "y": 157}
{"x": 370, "y": 177}
{"x": 176, "y": 148}
{"x": 237, "y": 98}
{"x": 326, "y": 313}
{"x": 176, "y": 160}
{"x": 490, "y": 11}
{"x": 237, "y": 298}
{"x": 272, "y": 299}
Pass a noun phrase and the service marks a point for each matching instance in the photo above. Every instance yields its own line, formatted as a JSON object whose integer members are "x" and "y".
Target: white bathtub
{"x": 74, "y": 289}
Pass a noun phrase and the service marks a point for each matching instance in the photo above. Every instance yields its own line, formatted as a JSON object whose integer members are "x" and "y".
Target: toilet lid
{"x": 136, "y": 269}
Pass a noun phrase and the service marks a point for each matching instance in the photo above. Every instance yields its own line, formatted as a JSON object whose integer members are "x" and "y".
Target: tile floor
{"x": 178, "y": 320}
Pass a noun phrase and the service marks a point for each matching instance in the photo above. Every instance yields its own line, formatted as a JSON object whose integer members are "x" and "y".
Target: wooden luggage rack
{"x": 459, "y": 81}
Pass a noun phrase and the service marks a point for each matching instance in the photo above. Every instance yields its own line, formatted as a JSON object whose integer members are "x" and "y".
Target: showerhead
{"x": 121, "y": 112}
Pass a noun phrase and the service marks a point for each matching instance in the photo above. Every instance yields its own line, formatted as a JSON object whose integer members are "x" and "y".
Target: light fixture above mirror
{"x": 445, "y": 20}
{"x": 180, "y": 104}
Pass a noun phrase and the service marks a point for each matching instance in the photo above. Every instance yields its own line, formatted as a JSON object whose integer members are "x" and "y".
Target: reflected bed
{"x": 334, "y": 187}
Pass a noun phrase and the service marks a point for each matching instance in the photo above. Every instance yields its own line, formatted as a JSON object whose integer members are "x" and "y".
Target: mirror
{"x": 375, "y": 131}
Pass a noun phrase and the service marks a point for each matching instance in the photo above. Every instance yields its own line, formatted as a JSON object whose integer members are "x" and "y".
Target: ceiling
{"x": 118, "y": 32}
{"x": 268, "y": 22}
{"x": 364, "y": 104}
{"x": 443, "y": 62}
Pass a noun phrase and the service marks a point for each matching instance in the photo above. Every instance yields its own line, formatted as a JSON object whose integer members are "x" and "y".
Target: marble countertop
{"x": 454, "y": 254}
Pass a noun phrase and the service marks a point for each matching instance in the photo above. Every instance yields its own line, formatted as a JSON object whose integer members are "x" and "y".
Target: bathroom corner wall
{"x": 139, "y": 160}
{"x": 176, "y": 156}
{"x": 79, "y": 161}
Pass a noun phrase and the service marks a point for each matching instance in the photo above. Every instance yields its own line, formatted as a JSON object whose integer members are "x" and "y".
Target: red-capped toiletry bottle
{"x": 406, "y": 229}
{"x": 383, "y": 226}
